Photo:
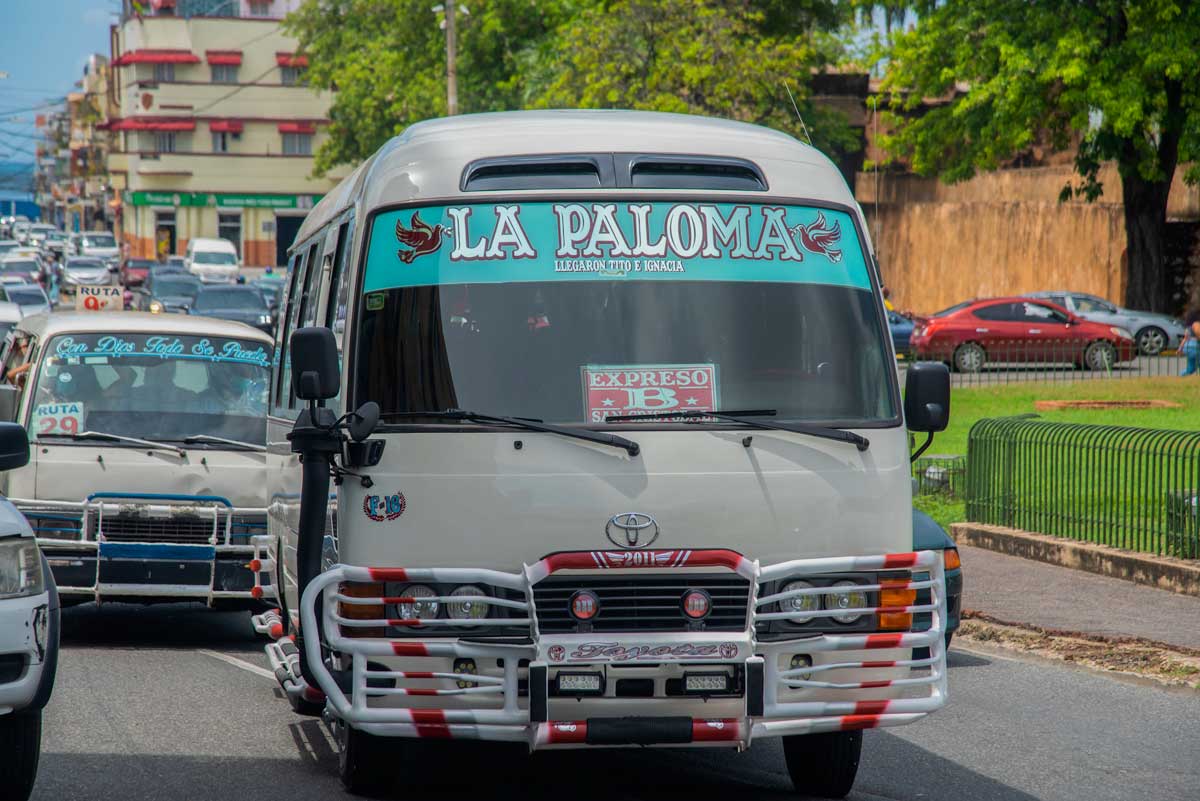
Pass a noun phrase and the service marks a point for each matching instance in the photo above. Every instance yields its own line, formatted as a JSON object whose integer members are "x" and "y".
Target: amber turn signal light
{"x": 362, "y": 611}
{"x": 894, "y": 599}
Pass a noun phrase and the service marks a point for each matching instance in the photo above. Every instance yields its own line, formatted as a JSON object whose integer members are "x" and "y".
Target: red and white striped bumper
{"x": 450, "y": 682}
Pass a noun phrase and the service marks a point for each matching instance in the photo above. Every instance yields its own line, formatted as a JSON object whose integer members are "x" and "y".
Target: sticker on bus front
{"x": 648, "y": 388}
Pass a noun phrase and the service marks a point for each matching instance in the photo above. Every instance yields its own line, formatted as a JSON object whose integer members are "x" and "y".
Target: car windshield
{"x": 85, "y": 264}
{"x": 176, "y": 287}
{"x": 26, "y": 296}
{"x": 952, "y": 309}
{"x": 230, "y": 298}
{"x": 138, "y": 264}
{"x": 7, "y": 246}
{"x": 99, "y": 241}
{"x": 19, "y": 266}
{"x": 152, "y": 386}
{"x": 213, "y": 257}
{"x": 577, "y": 312}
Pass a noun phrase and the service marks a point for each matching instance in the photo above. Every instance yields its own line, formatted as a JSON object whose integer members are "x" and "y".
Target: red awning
{"x": 152, "y": 124}
{"x": 156, "y": 57}
{"x": 232, "y": 58}
{"x": 291, "y": 60}
{"x": 225, "y": 126}
{"x": 297, "y": 127}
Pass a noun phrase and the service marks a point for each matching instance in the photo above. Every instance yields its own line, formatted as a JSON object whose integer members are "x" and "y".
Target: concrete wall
{"x": 999, "y": 233}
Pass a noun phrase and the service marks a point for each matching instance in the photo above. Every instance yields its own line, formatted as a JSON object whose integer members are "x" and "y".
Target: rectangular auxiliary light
{"x": 579, "y": 683}
{"x": 704, "y": 683}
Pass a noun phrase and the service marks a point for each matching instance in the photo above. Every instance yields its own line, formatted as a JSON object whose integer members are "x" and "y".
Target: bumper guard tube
{"x": 80, "y": 532}
{"x": 849, "y": 683}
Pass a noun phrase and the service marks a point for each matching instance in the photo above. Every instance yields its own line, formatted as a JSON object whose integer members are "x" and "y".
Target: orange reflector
{"x": 362, "y": 611}
{"x": 893, "y": 599}
{"x": 950, "y": 559}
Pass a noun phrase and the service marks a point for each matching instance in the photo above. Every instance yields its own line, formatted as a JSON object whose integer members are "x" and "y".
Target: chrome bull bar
{"x": 855, "y": 680}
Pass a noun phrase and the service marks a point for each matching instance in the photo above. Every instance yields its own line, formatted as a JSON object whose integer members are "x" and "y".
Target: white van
{"x": 147, "y": 479}
{"x": 618, "y": 447}
{"x": 212, "y": 260}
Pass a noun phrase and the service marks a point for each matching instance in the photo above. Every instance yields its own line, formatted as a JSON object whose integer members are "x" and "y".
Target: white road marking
{"x": 239, "y": 663}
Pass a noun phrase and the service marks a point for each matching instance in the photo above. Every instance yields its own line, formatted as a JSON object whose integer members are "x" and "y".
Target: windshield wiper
{"x": 741, "y": 415}
{"x": 628, "y": 445}
{"x": 237, "y": 443}
{"x": 162, "y": 446}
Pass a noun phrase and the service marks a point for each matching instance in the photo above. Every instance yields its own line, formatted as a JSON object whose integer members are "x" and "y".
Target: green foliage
{"x": 1123, "y": 76}
{"x": 728, "y": 58}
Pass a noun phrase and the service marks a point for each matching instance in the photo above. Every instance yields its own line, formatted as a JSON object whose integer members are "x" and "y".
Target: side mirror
{"x": 363, "y": 421}
{"x": 927, "y": 397}
{"x": 14, "y": 446}
{"x": 316, "y": 374}
{"x": 8, "y": 403}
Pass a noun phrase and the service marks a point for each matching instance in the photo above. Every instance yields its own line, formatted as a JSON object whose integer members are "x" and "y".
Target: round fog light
{"x": 418, "y": 608}
{"x": 584, "y": 605}
{"x": 799, "y": 604}
{"x": 697, "y": 604}
{"x": 467, "y": 610}
{"x": 802, "y": 661}
{"x": 846, "y": 600}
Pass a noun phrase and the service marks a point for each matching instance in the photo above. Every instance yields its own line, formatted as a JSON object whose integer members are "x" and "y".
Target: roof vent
{"x": 538, "y": 172}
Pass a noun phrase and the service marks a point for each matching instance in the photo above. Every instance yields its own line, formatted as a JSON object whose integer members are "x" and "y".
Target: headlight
{"x": 20, "y": 568}
{"x": 418, "y": 609}
{"x": 155, "y": 307}
{"x": 264, "y": 319}
{"x": 69, "y": 279}
{"x": 467, "y": 610}
{"x": 846, "y": 600}
{"x": 798, "y": 603}
{"x": 1121, "y": 332}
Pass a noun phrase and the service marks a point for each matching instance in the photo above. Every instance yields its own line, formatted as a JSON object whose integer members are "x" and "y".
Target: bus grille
{"x": 175, "y": 529}
{"x": 645, "y": 603}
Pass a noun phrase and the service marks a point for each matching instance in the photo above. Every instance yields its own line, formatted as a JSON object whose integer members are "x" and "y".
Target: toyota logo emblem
{"x": 631, "y": 530}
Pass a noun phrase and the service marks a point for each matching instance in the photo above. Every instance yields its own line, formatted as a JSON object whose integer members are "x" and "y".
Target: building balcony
{"x": 246, "y": 101}
{"x": 216, "y": 173}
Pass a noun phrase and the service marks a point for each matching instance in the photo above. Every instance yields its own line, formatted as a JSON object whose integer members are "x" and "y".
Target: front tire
{"x": 823, "y": 765}
{"x": 367, "y": 764}
{"x": 1151, "y": 341}
{"x": 969, "y": 358}
{"x": 21, "y": 745}
{"x": 1100, "y": 356}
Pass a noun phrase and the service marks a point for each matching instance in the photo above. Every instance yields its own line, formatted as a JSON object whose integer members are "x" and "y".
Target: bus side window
{"x": 305, "y": 286}
{"x": 288, "y": 316}
{"x": 339, "y": 287}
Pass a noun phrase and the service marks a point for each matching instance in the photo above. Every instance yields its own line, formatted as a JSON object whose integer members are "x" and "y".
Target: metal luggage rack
{"x": 465, "y": 700}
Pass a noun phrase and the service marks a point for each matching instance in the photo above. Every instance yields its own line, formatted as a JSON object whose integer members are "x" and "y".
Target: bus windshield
{"x": 161, "y": 387}
{"x": 575, "y": 312}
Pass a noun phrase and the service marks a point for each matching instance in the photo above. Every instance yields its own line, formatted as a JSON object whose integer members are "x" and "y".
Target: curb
{"x": 1162, "y": 572}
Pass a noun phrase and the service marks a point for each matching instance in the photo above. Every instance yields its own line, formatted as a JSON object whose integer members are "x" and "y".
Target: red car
{"x": 974, "y": 333}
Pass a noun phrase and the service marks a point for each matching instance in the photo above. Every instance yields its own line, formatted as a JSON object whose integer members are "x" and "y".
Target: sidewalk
{"x": 1016, "y": 590}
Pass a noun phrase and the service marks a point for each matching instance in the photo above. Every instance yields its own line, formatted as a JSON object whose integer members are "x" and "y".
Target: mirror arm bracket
{"x": 924, "y": 446}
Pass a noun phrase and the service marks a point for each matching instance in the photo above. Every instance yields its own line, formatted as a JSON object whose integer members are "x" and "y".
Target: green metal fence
{"x": 1132, "y": 488}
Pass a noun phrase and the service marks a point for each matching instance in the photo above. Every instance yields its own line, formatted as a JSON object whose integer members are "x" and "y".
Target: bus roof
{"x": 428, "y": 159}
{"x": 69, "y": 322}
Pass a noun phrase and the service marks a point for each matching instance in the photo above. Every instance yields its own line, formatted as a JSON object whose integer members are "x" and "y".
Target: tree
{"x": 1118, "y": 80}
{"x": 730, "y": 58}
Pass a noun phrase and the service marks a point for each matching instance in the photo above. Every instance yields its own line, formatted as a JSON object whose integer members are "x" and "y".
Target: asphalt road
{"x": 145, "y": 708}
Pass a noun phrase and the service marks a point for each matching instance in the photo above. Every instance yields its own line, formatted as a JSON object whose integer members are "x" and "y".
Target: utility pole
{"x": 451, "y": 58}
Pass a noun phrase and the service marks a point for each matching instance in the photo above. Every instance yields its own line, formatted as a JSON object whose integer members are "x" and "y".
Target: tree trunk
{"x": 1145, "y": 204}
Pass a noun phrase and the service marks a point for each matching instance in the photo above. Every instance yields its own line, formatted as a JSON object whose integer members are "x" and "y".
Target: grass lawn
{"x": 967, "y": 405}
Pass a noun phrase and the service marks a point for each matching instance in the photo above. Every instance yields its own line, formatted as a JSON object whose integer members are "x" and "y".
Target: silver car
{"x": 1153, "y": 332}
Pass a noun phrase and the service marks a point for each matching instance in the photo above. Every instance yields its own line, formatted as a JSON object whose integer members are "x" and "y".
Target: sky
{"x": 44, "y": 45}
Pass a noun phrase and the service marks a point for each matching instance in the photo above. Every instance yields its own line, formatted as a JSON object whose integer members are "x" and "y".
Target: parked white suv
{"x": 212, "y": 260}
{"x": 29, "y": 628}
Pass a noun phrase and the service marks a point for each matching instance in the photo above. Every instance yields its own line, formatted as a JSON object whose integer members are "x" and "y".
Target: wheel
{"x": 823, "y": 765}
{"x": 1151, "y": 340}
{"x": 21, "y": 744}
{"x": 367, "y": 765}
{"x": 969, "y": 358}
{"x": 1100, "y": 356}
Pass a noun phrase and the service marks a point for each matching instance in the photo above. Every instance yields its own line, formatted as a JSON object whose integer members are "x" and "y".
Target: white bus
{"x": 618, "y": 450}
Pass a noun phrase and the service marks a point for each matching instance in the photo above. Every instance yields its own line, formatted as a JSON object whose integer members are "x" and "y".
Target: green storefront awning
{"x": 225, "y": 201}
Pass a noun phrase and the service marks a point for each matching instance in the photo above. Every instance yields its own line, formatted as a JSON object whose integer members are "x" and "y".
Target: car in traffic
{"x": 39, "y": 232}
{"x": 167, "y": 292}
{"x": 10, "y": 315}
{"x": 21, "y": 269}
{"x": 30, "y": 298}
{"x": 29, "y": 634}
{"x": 928, "y": 535}
{"x": 133, "y": 272}
{"x": 901, "y": 329}
{"x": 7, "y": 246}
{"x": 20, "y": 231}
{"x": 271, "y": 289}
{"x": 1153, "y": 332}
{"x": 148, "y": 480}
{"x": 56, "y": 243}
{"x": 1019, "y": 330}
{"x": 212, "y": 260}
{"x": 97, "y": 244}
{"x": 177, "y": 263}
{"x": 245, "y": 304}
{"x": 79, "y": 271}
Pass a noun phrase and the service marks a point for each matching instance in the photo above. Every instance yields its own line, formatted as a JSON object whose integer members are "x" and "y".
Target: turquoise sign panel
{"x": 628, "y": 240}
